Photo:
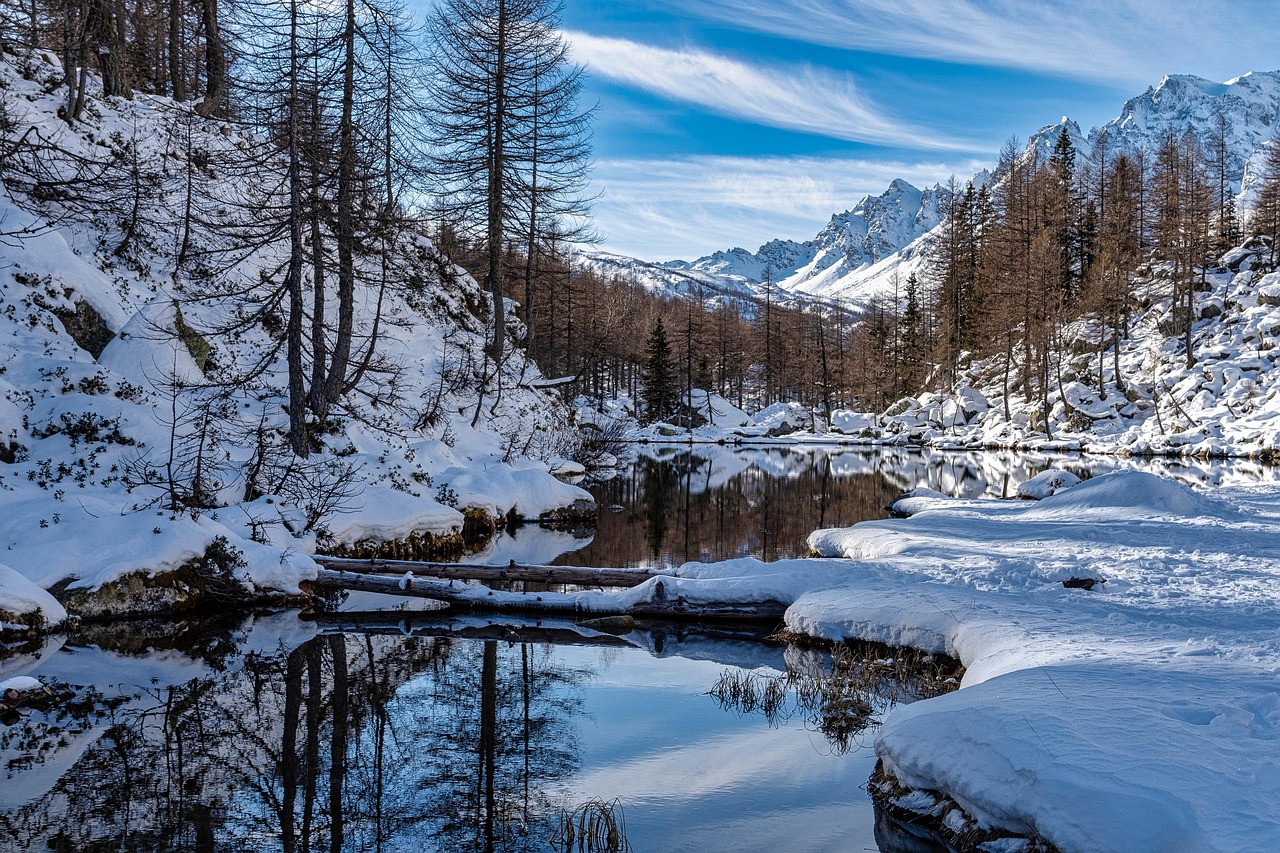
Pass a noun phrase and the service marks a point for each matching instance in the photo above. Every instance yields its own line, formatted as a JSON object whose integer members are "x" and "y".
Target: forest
{"x": 468, "y": 127}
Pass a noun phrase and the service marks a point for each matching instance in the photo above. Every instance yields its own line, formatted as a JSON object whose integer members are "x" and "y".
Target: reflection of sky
{"x": 694, "y": 777}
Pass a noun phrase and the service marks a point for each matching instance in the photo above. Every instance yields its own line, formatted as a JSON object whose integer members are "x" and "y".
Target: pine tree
{"x": 1062, "y": 210}
{"x": 659, "y": 381}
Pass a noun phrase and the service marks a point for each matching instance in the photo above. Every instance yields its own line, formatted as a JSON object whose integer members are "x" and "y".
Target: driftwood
{"x": 481, "y": 599}
{"x": 576, "y": 575}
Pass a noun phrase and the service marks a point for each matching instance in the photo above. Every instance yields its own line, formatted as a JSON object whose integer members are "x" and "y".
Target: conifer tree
{"x": 659, "y": 381}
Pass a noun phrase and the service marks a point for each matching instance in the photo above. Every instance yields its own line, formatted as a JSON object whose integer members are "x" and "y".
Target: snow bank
{"x": 526, "y": 488}
{"x": 386, "y": 515}
{"x": 1047, "y": 483}
{"x": 1139, "y": 716}
{"x": 21, "y": 597}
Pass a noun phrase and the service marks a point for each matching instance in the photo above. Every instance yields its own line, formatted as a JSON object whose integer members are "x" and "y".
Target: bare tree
{"x": 509, "y": 144}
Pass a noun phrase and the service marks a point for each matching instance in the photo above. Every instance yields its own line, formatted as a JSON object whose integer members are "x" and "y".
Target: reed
{"x": 596, "y": 826}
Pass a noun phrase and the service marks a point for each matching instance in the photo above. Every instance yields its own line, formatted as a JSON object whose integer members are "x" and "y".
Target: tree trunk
{"x": 335, "y": 384}
{"x": 293, "y": 274}
{"x": 497, "y": 164}
{"x": 177, "y": 75}
{"x": 215, "y": 87}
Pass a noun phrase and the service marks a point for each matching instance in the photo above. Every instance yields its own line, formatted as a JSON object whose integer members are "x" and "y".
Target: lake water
{"x": 676, "y": 503}
{"x": 415, "y": 731}
{"x": 418, "y": 735}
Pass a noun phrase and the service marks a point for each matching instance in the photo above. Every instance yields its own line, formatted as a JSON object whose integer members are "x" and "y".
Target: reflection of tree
{"x": 340, "y": 744}
{"x": 677, "y": 512}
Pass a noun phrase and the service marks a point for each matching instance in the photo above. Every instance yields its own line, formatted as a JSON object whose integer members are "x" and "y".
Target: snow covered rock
{"x": 23, "y": 605}
{"x": 848, "y": 422}
{"x": 1047, "y": 483}
{"x": 782, "y": 419}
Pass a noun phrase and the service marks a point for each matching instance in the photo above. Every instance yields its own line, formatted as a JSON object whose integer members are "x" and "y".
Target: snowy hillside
{"x": 856, "y": 256}
{"x": 143, "y": 402}
{"x": 1227, "y": 403}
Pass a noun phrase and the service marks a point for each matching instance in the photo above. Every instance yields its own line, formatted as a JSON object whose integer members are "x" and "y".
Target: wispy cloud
{"x": 1121, "y": 41}
{"x": 682, "y": 208}
{"x": 794, "y": 97}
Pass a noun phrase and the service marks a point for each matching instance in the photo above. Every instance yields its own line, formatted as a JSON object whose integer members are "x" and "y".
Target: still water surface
{"x": 408, "y": 731}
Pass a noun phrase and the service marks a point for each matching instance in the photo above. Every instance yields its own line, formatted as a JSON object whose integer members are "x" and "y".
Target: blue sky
{"x": 726, "y": 123}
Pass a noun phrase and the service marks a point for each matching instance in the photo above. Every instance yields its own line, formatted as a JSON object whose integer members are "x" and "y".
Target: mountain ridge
{"x": 862, "y": 253}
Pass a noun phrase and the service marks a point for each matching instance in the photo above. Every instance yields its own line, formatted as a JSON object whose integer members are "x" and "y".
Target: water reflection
{"x": 707, "y": 502}
{"x": 412, "y": 736}
{"x": 344, "y": 742}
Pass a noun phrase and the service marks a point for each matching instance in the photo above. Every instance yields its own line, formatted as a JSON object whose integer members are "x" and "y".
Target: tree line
{"x": 1049, "y": 238}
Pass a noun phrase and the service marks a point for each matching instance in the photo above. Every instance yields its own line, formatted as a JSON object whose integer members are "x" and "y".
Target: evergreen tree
{"x": 659, "y": 381}
{"x": 1062, "y": 212}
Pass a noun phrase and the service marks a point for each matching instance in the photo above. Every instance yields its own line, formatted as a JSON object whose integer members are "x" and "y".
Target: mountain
{"x": 864, "y": 244}
{"x": 856, "y": 256}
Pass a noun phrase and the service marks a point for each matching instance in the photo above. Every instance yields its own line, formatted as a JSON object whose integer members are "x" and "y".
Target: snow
{"x": 20, "y": 597}
{"x": 525, "y": 488}
{"x": 95, "y": 437}
{"x": 386, "y": 515}
{"x": 20, "y": 683}
{"x": 1047, "y": 483}
{"x": 1139, "y": 717}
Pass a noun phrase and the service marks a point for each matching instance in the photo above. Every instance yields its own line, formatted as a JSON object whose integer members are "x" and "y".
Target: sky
{"x": 723, "y": 123}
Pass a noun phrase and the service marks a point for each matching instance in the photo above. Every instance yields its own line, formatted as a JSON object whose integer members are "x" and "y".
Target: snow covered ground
{"x": 114, "y": 379}
{"x": 1143, "y": 714}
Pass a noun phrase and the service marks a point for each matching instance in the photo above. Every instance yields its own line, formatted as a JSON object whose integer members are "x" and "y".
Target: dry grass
{"x": 837, "y": 691}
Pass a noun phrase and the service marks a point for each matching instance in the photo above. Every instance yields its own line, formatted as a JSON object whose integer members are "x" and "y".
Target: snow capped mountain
{"x": 860, "y": 254}
{"x": 1249, "y": 107}
{"x": 853, "y": 246}
{"x": 858, "y": 240}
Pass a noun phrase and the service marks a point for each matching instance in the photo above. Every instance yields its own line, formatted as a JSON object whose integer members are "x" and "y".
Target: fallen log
{"x": 575, "y": 575}
{"x": 483, "y": 599}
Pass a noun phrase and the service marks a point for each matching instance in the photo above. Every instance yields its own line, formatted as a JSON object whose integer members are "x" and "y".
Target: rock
{"x": 618, "y": 625}
{"x": 1082, "y": 583}
{"x": 1047, "y": 483}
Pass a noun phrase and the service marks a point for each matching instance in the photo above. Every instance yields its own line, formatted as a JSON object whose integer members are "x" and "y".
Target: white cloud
{"x": 684, "y": 208}
{"x": 1121, "y": 41}
{"x": 795, "y": 97}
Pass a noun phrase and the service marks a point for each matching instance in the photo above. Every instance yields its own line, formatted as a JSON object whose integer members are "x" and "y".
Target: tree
{"x": 510, "y": 145}
{"x": 659, "y": 381}
{"x": 1226, "y": 221}
{"x": 1182, "y": 200}
{"x": 1265, "y": 218}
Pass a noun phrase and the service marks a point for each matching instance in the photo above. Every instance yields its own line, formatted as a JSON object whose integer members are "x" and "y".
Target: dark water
{"x": 677, "y": 504}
